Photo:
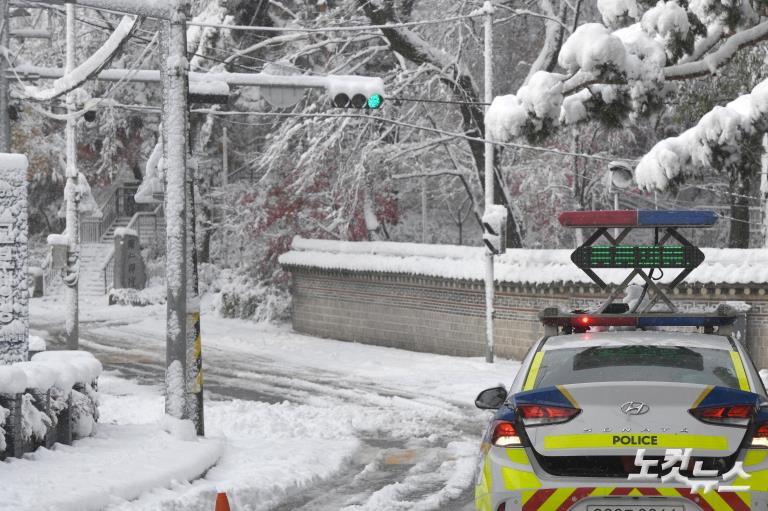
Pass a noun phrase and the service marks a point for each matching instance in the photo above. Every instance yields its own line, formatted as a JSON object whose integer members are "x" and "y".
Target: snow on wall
{"x": 727, "y": 266}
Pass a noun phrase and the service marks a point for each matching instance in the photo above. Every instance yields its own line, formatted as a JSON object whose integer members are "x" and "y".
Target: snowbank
{"x": 728, "y": 266}
{"x": 36, "y": 343}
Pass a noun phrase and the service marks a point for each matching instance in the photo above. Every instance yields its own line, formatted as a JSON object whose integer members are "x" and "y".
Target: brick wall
{"x": 440, "y": 315}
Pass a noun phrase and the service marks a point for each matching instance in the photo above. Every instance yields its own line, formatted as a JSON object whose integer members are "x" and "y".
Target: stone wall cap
{"x": 525, "y": 266}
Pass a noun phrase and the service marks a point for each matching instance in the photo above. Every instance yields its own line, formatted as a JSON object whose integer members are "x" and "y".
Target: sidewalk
{"x": 124, "y": 459}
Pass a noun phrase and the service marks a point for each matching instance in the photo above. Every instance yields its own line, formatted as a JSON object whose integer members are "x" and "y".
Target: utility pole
{"x": 5, "y": 40}
{"x": 489, "y": 280}
{"x": 175, "y": 74}
{"x": 72, "y": 198}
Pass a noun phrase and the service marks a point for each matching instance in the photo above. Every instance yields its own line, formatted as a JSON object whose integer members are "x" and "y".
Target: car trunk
{"x": 618, "y": 418}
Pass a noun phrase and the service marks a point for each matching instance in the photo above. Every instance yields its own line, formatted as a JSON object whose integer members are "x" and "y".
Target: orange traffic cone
{"x": 222, "y": 502}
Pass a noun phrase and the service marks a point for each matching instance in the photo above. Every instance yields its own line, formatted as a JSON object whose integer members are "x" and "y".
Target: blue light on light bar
{"x": 646, "y": 321}
{"x": 676, "y": 218}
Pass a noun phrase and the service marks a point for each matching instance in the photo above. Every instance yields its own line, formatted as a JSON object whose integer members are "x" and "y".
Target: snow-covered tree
{"x": 624, "y": 69}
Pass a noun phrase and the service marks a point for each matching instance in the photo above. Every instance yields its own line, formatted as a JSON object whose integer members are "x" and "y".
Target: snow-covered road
{"x": 311, "y": 424}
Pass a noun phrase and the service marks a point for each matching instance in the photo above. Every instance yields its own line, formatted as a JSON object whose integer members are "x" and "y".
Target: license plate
{"x": 635, "y": 508}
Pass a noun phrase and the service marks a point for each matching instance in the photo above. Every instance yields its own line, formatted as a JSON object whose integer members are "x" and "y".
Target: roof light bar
{"x": 636, "y": 320}
{"x": 638, "y": 218}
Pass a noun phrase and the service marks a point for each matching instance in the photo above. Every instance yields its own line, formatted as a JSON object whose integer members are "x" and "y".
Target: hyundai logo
{"x": 634, "y": 408}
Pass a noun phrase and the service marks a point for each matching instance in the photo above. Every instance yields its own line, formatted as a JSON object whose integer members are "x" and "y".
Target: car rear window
{"x": 637, "y": 363}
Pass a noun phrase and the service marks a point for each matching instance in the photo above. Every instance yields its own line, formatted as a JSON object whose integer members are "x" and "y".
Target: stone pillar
{"x": 129, "y": 266}
{"x": 14, "y": 294}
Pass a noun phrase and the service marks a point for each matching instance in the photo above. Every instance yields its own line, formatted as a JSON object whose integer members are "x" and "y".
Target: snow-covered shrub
{"x": 58, "y": 403}
{"x": 34, "y": 422}
{"x": 208, "y": 278}
{"x": 84, "y": 412}
{"x": 137, "y": 297}
{"x": 244, "y": 298}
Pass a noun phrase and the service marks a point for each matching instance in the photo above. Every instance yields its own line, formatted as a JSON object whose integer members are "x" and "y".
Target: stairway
{"x": 109, "y": 236}
{"x": 92, "y": 259}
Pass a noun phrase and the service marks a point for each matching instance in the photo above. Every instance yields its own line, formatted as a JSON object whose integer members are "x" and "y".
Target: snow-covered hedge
{"x": 137, "y": 297}
{"x": 67, "y": 377}
{"x": 244, "y": 298}
{"x": 523, "y": 266}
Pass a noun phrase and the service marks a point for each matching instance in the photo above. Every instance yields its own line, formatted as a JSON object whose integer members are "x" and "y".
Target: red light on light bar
{"x": 600, "y": 320}
{"x": 598, "y": 218}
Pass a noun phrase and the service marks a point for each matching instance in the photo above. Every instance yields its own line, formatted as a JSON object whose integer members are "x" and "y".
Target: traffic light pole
{"x": 5, "y": 38}
{"x": 489, "y": 278}
{"x": 72, "y": 199}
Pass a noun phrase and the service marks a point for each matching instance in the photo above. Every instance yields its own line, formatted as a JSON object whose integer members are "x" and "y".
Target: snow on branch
{"x": 93, "y": 65}
{"x": 615, "y": 73}
{"x": 715, "y": 142}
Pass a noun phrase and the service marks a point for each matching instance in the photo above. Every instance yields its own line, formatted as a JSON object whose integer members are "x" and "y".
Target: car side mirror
{"x": 491, "y": 399}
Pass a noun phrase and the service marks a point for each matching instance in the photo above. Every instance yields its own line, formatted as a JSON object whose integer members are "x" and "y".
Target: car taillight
{"x": 760, "y": 438}
{"x": 736, "y": 415}
{"x": 505, "y": 435}
{"x": 534, "y": 415}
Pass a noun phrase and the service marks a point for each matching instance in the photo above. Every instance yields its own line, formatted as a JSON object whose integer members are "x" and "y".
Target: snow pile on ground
{"x": 121, "y": 461}
{"x": 36, "y": 343}
{"x": 524, "y": 266}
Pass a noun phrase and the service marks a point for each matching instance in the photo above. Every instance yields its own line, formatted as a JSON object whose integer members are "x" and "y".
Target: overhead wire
{"x": 349, "y": 28}
{"x": 408, "y": 125}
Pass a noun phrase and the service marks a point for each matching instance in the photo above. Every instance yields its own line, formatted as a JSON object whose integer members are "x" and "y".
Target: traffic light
{"x": 356, "y": 91}
{"x": 495, "y": 229}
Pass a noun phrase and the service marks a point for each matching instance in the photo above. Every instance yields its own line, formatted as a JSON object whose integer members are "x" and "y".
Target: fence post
{"x": 13, "y": 437}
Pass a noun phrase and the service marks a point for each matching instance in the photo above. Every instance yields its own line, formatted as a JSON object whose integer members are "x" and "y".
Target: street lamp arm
{"x": 69, "y": 81}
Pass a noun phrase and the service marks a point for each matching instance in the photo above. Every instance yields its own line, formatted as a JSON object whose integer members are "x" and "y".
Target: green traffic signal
{"x": 375, "y": 101}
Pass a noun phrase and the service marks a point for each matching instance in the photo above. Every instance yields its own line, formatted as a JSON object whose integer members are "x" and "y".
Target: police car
{"x": 607, "y": 414}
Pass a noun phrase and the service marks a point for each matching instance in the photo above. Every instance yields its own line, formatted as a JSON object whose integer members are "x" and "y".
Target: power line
{"x": 136, "y": 37}
{"x": 442, "y": 101}
{"x": 351, "y": 28}
{"x": 408, "y": 125}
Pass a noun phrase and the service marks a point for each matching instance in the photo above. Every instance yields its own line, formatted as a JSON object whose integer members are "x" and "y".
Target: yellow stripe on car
{"x": 702, "y": 396}
{"x": 517, "y": 479}
{"x": 530, "y": 381}
{"x": 568, "y": 396}
{"x": 517, "y": 455}
{"x": 740, "y": 373}
{"x": 647, "y": 441}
